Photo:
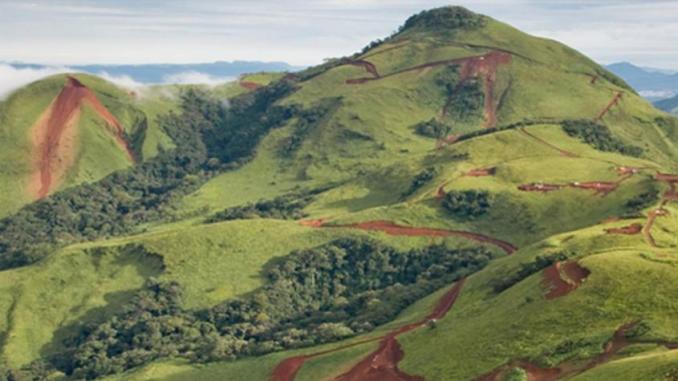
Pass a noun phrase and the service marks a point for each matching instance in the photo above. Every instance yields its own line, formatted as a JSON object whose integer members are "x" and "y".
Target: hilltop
{"x": 457, "y": 201}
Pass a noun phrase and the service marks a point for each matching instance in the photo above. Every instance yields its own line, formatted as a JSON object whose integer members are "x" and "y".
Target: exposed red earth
{"x": 382, "y": 364}
{"x": 249, "y": 85}
{"x": 651, "y": 217}
{"x": 485, "y": 66}
{"x": 563, "y": 278}
{"x": 368, "y": 66}
{"x": 440, "y": 192}
{"x": 398, "y": 230}
{"x": 440, "y": 143}
{"x": 594, "y": 79}
{"x": 568, "y": 369}
{"x": 480, "y": 172}
{"x": 632, "y": 229}
{"x": 615, "y": 100}
{"x": 544, "y": 142}
{"x": 666, "y": 177}
{"x": 55, "y": 133}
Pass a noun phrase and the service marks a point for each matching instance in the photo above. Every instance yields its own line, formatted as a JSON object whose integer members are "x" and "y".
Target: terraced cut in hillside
{"x": 55, "y": 136}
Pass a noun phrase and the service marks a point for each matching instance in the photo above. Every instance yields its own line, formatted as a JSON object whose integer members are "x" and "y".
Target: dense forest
{"x": 322, "y": 294}
{"x": 599, "y": 136}
{"x": 213, "y": 137}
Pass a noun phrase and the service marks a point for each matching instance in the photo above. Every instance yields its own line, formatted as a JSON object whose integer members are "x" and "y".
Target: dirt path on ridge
{"x": 55, "y": 133}
{"x": 615, "y": 100}
{"x": 544, "y": 142}
{"x": 381, "y": 364}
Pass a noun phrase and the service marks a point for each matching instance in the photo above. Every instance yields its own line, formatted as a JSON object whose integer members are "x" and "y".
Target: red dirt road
{"x": 484, "y": 66}
{"x": 544, "y": 142}
{"x": 480, "y": 172}
{"x": 382, "y": 364}
{"x": 398, "y": 230}
{"x": 539, "y": 187}
{"x": 52, "y": 148}
{"x": 568, "y": 369}
{"x": 651, "y": 217}
{"x": 561, "y": 279}
{"x": 632, "y": 229}
{"x": 615, "y": 100}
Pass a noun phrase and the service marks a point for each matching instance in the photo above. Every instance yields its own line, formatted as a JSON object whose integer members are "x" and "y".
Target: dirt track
{"x": 398, "y": 230}
{"x": 561, "y": 279}
{"x": 544, "y": 142}
{"x": 615, "y": 100}
{"x": 382, "y": 364}
{"x": 626, "y": 230}
{"x": 55, "y": 133}
{"x": 485, "y": 65}
{"x": 571, "y": 368}
{"x": 481, "y": 172}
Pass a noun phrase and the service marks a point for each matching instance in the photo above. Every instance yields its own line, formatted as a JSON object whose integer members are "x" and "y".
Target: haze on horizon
{"x": 67, "y": 32}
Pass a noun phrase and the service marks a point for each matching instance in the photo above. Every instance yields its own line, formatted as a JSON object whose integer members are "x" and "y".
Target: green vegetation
{"x": 421, "y": 179}
{"x": 527, "y": 269}
{"x": 444, "y": 19}
{"x": 312, "y": 296}
{"x": 432, "y": 129}
{"x": 468, "y": 204}
{"x": 600, "y": 137}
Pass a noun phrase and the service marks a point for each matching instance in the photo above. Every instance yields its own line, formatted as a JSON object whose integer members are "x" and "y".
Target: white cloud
{"x": 122, "y": 80}
{"x": 12, "y": 78}
{"x": 196, "y": 78}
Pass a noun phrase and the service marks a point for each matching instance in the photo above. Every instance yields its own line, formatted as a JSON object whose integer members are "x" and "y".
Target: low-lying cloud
{"x": 195, "y": 78}
{"x": 13, "y": 78}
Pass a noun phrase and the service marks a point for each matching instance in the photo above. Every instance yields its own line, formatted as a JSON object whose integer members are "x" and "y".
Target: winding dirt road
{"x": 382, "y": 364}
{"x": 615, "y": 100}
{"x": 563, "y": 278}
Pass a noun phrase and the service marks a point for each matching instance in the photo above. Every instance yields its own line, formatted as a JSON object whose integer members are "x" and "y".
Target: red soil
{"x": 440, "y": 192}
{"x": 558, "y": 287}
{"x": 627, "y": 230}
{"x": 249, "y": 85}
{"x": 651, "y": 217}
{"x": 615, "y": 100}
{"x": 480, "y": 172}
{"x": 485, "y": 65}
{"x": 600, "y": 187}
{"x": 539, "y": 187}
{"x": 397, "y": 230}
{"x": 568, "y": 369}
{"x": 382, "y": 364}
{"x": 544, "y": 142}
{"x": 666, "y": 177}
{"x": 594, "y": 79}
{"x": 50, "y": 148}
{"x": 446, "y": 141}
{"x": 368, "y": 66}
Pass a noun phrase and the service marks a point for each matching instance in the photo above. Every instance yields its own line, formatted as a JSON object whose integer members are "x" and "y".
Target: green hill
{"x": 460, "y": 201}
{"x": 668, "y": 105}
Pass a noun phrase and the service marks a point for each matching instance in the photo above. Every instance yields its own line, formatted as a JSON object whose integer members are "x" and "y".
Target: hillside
{"x": 459, "y": 201}
{"x": 71, "y": 129}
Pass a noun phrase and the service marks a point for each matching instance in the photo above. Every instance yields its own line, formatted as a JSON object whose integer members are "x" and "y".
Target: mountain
{"x": 163, "y": 73}
{"x": 458, "y": 201}
{"x": 668, "y": 105}
{"x": 653, "y": 84}
{"x": 71, "y": 129}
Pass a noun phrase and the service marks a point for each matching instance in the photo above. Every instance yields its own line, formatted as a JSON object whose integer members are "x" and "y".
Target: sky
{"x": 304, "y": 32}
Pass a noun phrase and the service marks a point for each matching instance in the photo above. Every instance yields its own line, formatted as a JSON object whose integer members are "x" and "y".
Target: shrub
{"x": 432, "y": 129}
{"x": 599, "y": 137}
{"x": 420, "y": 180}
{"x": 468, "y": 204}
{"x": 527, "y": 269}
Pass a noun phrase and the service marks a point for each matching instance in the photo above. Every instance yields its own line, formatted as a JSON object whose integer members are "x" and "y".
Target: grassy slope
{"x": 372, "y": 173}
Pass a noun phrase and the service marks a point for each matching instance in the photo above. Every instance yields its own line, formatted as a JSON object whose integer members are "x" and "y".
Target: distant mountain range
{"x": 668, "y": 105}
{"x": 160, "y": 73}
{"x": 653, "y": 84}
